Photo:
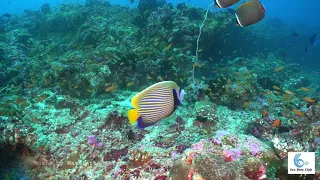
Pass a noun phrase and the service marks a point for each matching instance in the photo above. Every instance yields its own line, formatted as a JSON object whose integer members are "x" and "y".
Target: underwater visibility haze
{"x": 158, "y": 90}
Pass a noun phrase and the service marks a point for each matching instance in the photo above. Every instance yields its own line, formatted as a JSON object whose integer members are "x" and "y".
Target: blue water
{"x": 291, "y": 11}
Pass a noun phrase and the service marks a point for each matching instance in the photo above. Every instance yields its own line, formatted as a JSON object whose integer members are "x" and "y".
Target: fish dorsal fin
{"x": 137, "y": 98}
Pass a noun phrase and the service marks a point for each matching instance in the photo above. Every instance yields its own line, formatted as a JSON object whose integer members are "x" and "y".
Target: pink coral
{"x": 259, "y": 175}
{"x": 228, "y": 156}
{"x": 198, "y": 146}
{"x": 191, "y": 173}
{"x": 231, "y": 155}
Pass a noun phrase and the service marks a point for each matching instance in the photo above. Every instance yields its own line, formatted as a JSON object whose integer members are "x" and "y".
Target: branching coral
{"x": 139, "y": 157}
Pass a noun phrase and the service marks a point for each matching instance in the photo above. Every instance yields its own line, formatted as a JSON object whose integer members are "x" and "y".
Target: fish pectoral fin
{"x": 133, "y": 116}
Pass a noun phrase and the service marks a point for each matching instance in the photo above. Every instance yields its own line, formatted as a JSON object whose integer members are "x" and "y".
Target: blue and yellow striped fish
{"x": 155, "y": 103}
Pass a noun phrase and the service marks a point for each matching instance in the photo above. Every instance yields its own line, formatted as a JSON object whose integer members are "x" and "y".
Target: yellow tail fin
{"x": 133, "y": 116}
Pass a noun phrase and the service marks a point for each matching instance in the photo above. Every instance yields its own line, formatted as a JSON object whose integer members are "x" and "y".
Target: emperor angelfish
{"x": 249, "y": 13}
{"x": 224, "y": 3}
{"x": 155, "y": 103}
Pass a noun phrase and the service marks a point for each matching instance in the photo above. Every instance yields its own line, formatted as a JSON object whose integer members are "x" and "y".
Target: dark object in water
{"x": 6, "y": 15}
{"x": 170, "y": 5}
{"x": 283, "y": 54}
{"x": 140, "y": 21}
{"x": 130, "y": 135}
{"x": 131, "y": 1}
{"x": 224, "y": 3}
{"x": 312, "y": 39}
{"x": 295, "y": 34}
{"x": 305, "y": 50}
{"x": 45, "y": 8}
{"x": 283, "y": 129}
{"x": 250, "y": 12}
{"x": 150, "y": 5}
{"x": 266, "y": 83}
{"x": 181, "y": 6}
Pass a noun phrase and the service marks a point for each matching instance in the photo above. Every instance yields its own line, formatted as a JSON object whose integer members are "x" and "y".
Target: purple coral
{"x": 92, "y": 140}
{"x": 198, "y": 146}
{"x": 221, "y": 133}
{"x": 254, "y": 147}
{"x": 100, "y": 145}
{"x": 254, "y": 150}
{"x": 216, "y": 141}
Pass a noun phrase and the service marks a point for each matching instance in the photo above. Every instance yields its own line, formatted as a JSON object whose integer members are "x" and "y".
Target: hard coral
{"x": 115, "y": 154}
{"x": 181, "y": 148}
{"x": 139, "y": 157}
{"x": 231, "y": 155}
{"x": 115, "y": 120}
{"x": 206, "y": 111}
{"x": 93, "y": 141}
{"x": 257, "y": 175}
{"x": 122, "y": 171}
{"x": 295, "y": 134}
{"x": 211, "y": 166}
{"x": 18, "y": 134}
{"x": 251, "y": 164}
{"x": 164, "y": 144}
{"x": 206, "y": 115}
{"x": 179, "y": 170}
{"x": 162, "y": 177}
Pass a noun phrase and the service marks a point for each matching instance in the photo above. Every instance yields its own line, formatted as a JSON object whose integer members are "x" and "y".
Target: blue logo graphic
{"x": 297, "y": 161}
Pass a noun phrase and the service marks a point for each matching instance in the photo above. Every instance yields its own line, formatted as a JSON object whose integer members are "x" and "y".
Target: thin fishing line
{"x": 200, "y": 30}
